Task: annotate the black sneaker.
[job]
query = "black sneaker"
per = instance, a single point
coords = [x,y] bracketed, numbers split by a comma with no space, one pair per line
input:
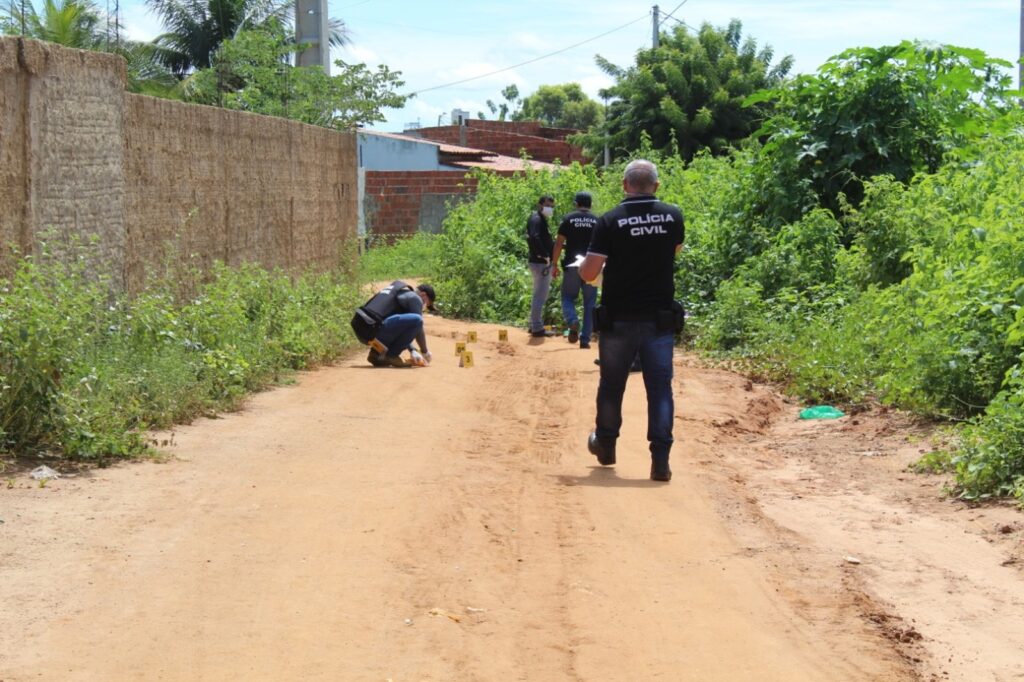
[375,358]
[660,470]
[574,332]
[602,448]
[584,344]
[541,334]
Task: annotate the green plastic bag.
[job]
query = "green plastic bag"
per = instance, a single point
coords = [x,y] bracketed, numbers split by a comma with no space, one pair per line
[821,412]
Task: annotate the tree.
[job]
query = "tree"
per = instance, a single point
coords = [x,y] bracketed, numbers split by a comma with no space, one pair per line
[196,28]
[78,24]
[72,23]
[894,110]
[561,106]
[687,94]
[510,106]
[250,73]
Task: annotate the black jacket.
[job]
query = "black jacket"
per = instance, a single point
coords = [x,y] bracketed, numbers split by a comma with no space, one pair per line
[538,238]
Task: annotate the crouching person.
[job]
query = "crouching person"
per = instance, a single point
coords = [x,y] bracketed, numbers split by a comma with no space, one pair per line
[390,322]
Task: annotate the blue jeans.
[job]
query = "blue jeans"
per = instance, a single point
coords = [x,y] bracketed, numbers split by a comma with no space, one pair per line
[541,286]
[571,285]
[617,349]
[398,331]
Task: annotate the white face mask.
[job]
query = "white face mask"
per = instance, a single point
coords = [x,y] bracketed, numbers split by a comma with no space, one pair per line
[548,211]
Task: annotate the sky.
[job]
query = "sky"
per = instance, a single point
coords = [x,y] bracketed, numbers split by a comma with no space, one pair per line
[434,44]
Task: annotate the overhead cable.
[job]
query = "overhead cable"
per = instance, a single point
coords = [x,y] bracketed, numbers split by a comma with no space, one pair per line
[529,61]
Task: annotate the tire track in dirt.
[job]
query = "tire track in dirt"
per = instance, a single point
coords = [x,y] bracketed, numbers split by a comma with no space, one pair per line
[448,524]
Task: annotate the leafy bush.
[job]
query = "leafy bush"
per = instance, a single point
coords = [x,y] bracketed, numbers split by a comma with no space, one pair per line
[84,371]
[414,256]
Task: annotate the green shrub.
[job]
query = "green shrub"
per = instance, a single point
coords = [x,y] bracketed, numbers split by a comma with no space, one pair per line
[83,372]
[414,256]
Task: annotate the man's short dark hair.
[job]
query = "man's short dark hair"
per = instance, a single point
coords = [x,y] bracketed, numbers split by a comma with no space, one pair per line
[429,291]
[583,199]
[545,197]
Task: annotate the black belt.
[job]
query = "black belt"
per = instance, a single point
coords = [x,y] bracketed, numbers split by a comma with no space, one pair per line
[633,316]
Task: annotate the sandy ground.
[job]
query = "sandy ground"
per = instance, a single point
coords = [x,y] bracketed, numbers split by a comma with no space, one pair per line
[447,523]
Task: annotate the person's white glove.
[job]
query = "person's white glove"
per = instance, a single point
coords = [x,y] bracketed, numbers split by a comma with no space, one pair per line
[418,359]
[428,356]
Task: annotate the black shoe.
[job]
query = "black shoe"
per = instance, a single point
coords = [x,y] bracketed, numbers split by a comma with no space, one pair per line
[375,358]
[541,334]
[602,448]
[574,332]
[584,344]
[659,468]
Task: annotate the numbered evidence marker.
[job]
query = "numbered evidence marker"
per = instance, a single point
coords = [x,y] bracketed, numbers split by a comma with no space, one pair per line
[466,359]
[460,347]
[502,335]
[471,337]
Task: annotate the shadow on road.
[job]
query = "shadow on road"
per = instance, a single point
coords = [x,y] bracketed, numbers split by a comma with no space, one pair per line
[605,477]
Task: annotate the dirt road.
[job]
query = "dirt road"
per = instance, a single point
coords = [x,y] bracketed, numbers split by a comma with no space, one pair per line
[448,524]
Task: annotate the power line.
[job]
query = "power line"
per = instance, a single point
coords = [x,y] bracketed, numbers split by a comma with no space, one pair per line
[669,15]
[529,61]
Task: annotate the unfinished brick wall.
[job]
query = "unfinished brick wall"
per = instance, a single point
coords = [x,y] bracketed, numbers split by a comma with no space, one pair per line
[80,157]
[498,137]
[406,202]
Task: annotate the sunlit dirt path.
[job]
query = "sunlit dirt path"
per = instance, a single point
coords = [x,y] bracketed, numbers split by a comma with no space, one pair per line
[447,523]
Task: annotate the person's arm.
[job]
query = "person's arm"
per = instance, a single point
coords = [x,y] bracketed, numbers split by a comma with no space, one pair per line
[421,341]
[591,266]
[559,242]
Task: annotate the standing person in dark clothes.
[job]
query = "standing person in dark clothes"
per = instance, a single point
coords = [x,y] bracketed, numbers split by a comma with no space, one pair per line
[574,233]
[538,239]
[636,243]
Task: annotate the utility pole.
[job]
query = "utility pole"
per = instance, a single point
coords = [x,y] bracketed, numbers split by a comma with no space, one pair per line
[654,27]
[312,29]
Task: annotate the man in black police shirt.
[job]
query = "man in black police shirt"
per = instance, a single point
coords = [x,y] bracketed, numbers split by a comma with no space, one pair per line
[574,233]
[636,242]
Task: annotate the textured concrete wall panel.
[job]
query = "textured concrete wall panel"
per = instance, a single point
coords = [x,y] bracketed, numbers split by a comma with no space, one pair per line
[75,111]
[233,187]
[13,153]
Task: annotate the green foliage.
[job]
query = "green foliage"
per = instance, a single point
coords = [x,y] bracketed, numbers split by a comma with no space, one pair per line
[83,371]
[482,269]
[561,106]
[79,24]
[991,459]
[509,108]
[250,73]
[196,28]
[415,256]
[687,94]
[894,110]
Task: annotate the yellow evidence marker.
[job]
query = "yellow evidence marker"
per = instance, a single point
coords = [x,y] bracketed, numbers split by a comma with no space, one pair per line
[460,347]
[466,359]
[502,335]
[471,337]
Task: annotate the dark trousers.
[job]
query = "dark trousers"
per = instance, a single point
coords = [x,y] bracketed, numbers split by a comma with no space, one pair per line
[617,349]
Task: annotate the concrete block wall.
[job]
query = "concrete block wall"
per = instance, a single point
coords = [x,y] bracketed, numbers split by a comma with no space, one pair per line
[81,157]
[405,202]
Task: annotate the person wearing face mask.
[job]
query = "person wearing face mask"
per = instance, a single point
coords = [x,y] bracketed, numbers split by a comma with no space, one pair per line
[538,239]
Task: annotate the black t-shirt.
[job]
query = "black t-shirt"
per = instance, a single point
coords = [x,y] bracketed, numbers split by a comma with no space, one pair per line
[577,228]
[639,238]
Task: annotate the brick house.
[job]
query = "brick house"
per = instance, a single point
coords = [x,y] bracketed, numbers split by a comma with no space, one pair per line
[406,184]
